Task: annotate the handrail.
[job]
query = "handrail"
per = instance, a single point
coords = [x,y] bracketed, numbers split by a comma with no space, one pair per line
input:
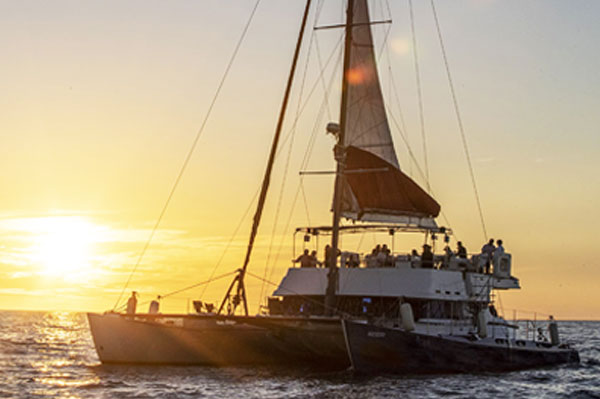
[359,228]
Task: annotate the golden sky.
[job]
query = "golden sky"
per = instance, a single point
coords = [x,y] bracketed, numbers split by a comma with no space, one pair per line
[102,100]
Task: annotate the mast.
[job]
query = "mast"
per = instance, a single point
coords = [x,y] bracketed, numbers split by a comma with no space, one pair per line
[339,153]
[239,278]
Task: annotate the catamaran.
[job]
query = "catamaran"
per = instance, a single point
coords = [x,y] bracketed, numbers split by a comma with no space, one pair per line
[388,311]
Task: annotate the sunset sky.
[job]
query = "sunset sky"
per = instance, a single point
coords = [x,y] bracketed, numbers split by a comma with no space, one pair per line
[101,100]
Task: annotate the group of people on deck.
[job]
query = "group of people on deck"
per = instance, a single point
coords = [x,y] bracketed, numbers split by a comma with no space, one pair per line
[489,251]
[426,259]
[308,259]
[383,257]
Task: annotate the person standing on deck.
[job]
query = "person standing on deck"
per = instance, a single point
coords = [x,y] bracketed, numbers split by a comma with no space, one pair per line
[461,251]
[314,262]
[427,257]
[498,252]
[415,258]
[304,259]
[488,251]
[499,249]
[132,303]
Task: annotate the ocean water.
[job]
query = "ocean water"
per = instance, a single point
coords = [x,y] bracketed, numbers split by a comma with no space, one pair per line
[52,355]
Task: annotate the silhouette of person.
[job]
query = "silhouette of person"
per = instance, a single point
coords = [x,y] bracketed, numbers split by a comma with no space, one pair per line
[304,259]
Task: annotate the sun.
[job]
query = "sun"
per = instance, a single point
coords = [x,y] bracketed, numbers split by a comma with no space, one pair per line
[63,245]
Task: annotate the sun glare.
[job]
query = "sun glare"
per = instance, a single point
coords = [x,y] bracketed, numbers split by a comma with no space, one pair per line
[63,245]
[401,46]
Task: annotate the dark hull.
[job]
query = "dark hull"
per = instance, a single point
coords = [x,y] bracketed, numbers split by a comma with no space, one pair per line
[310,341]
[382,350]
[218,340]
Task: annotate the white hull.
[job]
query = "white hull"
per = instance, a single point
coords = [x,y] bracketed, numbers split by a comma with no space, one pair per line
[120,339]
[217,340]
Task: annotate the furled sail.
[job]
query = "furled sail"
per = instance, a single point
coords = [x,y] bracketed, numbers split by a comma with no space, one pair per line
[376,189]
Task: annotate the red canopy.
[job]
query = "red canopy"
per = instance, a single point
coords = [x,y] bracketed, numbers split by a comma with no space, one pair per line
[384,192]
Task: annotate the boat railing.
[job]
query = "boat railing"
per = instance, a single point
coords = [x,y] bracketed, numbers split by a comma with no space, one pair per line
[531,325]
[475,263]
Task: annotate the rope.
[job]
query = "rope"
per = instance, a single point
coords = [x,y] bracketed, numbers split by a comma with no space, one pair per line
[191,151]
[230,241]
[322,80]
[459,119]
[305,201]
[206,282]
[306,158]
[414,159]
[312,90]
[401,127]
[183,289]
[299,112]
[419,93]
[308,150]
[408,148]
[287,162]
[320,62]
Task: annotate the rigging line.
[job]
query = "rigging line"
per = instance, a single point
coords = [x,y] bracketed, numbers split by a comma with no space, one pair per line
[299,111]
[314,86]
[419,91]
[241,290]
[287,162]
[397,98]
[367,108]
[401,128]
[299,188]
[459,119]
[320,63]
[384,42]
[309,96]
[388,8]
[530,312]
[193,147]
[305,201]
[184,289]
[408,147]
[325,94]
[360,241]
[235,232]
[306,158]
[414,159]
[205,283]
[309,149]
[280,246]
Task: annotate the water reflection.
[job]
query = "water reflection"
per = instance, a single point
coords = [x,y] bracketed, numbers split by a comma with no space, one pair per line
[46,354]
[52,355]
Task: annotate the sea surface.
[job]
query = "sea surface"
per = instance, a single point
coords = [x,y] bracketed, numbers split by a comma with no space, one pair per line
[49,355]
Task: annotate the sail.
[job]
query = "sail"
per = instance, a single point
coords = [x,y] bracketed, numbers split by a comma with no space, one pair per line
[376,189]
